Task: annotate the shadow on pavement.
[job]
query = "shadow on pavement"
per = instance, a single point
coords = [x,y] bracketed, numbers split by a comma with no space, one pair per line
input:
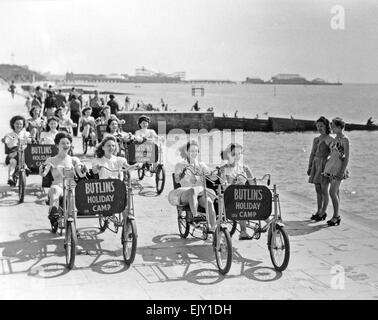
[303,227]
[171,258]
[28,254]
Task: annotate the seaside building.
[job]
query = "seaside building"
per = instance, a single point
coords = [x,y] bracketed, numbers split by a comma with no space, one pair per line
[254,80]
[283,78]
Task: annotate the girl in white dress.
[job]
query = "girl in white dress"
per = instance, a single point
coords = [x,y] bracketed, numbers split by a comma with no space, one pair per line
[52,127]
[191,191]
[144,133]
[105,158]
[230,172]
[17,123]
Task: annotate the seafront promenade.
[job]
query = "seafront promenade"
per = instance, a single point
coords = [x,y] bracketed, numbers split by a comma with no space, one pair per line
[325,263]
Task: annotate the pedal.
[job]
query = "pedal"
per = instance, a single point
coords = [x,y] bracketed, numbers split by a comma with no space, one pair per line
[257,235]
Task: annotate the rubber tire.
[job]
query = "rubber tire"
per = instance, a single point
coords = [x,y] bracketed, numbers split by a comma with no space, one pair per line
[183,225]
[223,269]
[141,173]
[21,186]
[70,246]
[160,169]
[129,225]
[285,237]
[103,223]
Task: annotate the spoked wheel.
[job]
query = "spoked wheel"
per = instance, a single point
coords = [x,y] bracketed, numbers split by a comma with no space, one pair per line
[141,173]
[70,244]
[21,186]
[231,226]
[223,250]
[103,223]
[183,224]
[160,178]
[279,248]
[129,241]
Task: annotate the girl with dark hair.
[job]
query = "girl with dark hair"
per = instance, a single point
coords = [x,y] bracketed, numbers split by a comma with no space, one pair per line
[36,123]
[230,171]
[336,167]
[105,116]
[52,127]
[65,124]
[63,141]
[318,158]
[114,130]
[191,191]
[17,123]
[87,125]
[144,133]
[105,158]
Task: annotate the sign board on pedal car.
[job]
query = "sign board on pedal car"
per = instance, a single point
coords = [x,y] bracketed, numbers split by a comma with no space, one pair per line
[105,197]
[247,202]
[36,154]
[101,129]
[144,152]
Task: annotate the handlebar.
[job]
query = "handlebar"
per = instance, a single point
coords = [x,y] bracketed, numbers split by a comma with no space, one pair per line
[264,177]
[133,166]
[213,173]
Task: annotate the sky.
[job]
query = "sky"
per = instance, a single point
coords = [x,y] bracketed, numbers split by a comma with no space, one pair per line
[208,39]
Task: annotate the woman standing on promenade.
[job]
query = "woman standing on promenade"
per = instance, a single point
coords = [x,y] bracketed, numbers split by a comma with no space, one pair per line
[191,191]
[336,167]
[318,158]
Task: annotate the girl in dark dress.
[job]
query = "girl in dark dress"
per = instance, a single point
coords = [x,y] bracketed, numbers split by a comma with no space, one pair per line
[318,158]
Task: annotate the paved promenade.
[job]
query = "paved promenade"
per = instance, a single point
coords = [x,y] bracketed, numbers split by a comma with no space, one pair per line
[326,262]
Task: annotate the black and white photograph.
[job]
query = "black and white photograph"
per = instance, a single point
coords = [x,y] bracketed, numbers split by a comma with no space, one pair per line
[188,150]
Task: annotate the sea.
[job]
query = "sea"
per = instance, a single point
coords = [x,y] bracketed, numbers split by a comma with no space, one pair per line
[285,155]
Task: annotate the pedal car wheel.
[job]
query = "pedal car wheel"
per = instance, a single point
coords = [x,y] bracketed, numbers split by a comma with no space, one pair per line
[160,179]
[223,250]
[129,241]
[279,248]
[21,186]
[70,244]
[183,224]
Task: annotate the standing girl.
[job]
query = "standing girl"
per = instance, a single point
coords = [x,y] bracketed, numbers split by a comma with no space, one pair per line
[336,167]
[318,158]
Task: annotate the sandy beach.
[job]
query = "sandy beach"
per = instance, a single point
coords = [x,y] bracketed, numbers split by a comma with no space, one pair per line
[325,263]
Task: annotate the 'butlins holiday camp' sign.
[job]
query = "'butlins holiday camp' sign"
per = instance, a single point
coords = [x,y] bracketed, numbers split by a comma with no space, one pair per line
[105,197]
[247,202]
